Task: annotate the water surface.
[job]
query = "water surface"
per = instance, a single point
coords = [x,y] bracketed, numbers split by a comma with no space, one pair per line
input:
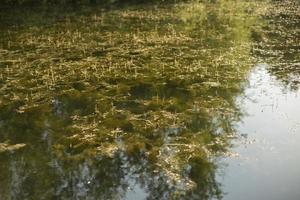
[176,101]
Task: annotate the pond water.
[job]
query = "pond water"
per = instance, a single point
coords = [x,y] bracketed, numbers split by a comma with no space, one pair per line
[193,100]
[266,163]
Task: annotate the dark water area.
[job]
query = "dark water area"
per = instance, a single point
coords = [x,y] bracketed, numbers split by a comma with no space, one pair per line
[193,100]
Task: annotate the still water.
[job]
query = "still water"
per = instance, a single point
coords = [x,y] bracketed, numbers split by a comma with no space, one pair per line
[195,100]
[267,159]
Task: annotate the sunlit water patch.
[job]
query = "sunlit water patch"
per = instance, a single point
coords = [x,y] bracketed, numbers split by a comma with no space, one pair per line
[267,159]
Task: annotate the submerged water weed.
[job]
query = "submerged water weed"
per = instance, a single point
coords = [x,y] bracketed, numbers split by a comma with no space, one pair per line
[278,42]
[132,91]
[4,147]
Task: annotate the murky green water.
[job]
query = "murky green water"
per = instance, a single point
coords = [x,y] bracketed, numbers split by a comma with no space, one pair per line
[176,101]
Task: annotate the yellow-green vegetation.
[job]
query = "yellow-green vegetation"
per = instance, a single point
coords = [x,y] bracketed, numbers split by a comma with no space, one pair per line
[100,94]
[77,2]
[278,42]
[4,147]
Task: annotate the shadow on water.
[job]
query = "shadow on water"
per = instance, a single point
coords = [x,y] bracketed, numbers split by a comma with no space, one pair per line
[109,104]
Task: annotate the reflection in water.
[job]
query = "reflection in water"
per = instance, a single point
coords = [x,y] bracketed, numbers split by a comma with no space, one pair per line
[268,164]
[121,103]
[268,155]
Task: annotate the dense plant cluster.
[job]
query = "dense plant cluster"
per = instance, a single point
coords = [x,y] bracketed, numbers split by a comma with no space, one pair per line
[75,2]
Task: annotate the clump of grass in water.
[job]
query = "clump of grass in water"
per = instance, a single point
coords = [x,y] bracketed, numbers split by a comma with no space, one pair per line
[5,147]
